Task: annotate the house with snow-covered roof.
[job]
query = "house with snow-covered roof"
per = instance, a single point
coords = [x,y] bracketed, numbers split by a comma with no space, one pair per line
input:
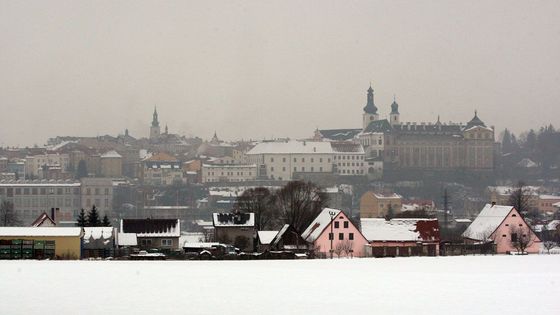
[401,237]
[333,232]
[237,229]
[501,226]
[99,241]
[162,234]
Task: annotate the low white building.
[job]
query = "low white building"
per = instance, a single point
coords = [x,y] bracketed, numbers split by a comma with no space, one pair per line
[280,160]
[212,173]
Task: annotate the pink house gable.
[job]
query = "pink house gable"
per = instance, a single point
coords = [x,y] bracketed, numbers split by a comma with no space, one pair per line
[344,232]
[496,223]
[502,235]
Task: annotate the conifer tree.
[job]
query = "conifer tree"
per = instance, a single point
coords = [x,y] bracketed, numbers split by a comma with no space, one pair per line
[93,217]
[82,220]
[105,221]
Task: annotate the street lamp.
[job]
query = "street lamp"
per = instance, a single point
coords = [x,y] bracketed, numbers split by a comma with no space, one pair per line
[333,215]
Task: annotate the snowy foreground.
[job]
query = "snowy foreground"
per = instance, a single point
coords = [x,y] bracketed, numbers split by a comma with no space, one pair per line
[419,285]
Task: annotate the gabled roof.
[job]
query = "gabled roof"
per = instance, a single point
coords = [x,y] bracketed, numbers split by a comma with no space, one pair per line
[41,220]
[339,134]
[487,221]
[266,237]
[152,227]
[318,225]
[378,126]
[412,230]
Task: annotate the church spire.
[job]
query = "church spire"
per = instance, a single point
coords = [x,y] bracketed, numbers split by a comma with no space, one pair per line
[155,122]
[370,105]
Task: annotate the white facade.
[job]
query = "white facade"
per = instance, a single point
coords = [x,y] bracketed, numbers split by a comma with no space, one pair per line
[228,173]
[98,192]
[33,164]
[349,158]
[281,160]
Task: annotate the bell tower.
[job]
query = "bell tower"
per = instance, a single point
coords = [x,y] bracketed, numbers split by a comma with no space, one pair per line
[370,111]
[154,129]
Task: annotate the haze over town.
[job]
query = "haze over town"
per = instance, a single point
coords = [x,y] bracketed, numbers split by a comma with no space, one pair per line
[264,69]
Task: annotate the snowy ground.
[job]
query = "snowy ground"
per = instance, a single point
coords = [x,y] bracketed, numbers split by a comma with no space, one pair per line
[422,285]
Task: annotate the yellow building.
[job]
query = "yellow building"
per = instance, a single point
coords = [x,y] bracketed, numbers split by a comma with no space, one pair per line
[67,240]
[376,205]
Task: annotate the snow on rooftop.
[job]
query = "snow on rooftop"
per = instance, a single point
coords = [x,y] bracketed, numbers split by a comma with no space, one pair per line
[266,237]
[40,231]
[487,222]
[394,230]
[111,154]
[292,147]
[127,239]
[549,197]
[98,232]
[318,225]
[233,220]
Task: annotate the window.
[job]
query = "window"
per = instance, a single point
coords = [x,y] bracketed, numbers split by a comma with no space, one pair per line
[336,224]
[514,237]
[345,224]
[341,236]
[331,236]
[311,160]
[514,215]
[351,236]
[284,159]
[271,160]
[520,224]
[167,242]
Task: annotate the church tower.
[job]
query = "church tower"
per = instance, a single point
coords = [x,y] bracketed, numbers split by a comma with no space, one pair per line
[394,116]
[154,129]
[370,111]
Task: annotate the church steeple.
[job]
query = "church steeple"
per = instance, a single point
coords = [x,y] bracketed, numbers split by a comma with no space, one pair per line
[370,105]
[394,115]
[154,129]
[155,122]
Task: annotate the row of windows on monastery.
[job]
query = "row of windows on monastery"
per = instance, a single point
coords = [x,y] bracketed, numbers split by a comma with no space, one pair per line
[231,174]
[302,160]
[348,157]
[39,191]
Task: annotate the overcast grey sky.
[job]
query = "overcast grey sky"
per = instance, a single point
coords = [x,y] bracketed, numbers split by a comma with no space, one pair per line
[271,69]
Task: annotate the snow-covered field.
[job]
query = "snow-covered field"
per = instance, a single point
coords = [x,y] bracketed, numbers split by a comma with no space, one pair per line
[422,285]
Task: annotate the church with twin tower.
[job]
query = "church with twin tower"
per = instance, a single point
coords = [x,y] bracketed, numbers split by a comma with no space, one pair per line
[419,145]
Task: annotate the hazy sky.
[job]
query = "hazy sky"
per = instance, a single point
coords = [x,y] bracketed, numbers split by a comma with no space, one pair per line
[271,69]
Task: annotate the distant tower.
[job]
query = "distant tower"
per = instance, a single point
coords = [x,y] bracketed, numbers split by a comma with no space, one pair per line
[166,130]
[370,111]
[394,116]
[154,129]
[215,139]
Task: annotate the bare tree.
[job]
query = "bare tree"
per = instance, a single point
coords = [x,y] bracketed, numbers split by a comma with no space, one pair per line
[347,247]
[520,198]
[339,249]
[522,238]
[8,216]
[549,238]
[259,201]
[299,202]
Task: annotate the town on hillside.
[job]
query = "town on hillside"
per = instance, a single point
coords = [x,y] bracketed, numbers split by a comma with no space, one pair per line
[385,188]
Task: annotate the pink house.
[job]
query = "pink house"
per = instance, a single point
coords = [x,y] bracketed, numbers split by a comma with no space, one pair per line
[504,226]
[346,239]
